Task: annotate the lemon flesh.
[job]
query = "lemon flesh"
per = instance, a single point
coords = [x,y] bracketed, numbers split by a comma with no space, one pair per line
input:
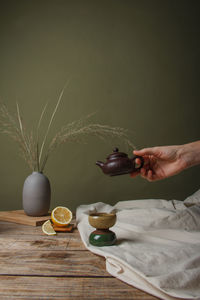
[61,216]
[47,228]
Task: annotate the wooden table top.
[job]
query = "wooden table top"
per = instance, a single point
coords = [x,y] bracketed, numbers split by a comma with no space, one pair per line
[36,266]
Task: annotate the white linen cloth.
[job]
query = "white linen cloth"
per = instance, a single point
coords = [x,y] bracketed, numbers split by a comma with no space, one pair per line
[158,244]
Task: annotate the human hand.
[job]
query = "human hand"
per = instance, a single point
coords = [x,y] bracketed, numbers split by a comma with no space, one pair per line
[161,162]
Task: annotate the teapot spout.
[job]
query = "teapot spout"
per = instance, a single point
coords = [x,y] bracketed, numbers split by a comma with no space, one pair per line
[100,164]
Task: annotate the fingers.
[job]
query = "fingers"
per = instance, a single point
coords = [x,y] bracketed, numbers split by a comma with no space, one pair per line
[143,172]
[148,175]
[138,162]
[138,171]
[134,174]
[150,155]
[146,151]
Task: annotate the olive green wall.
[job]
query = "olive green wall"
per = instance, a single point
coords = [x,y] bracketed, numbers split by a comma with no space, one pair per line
[134,63]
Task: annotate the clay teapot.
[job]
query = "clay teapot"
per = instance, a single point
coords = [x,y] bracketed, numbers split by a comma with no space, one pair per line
[118,163]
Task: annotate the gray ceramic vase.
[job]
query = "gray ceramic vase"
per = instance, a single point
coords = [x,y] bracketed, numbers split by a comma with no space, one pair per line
[36,195]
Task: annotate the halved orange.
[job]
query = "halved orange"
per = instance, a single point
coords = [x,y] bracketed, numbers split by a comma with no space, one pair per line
[61,216]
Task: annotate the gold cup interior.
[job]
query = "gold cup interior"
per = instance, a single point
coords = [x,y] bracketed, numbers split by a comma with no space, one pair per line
[102,220]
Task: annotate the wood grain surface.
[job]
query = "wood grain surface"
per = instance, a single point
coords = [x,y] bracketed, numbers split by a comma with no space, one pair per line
[19,217]
[36,266]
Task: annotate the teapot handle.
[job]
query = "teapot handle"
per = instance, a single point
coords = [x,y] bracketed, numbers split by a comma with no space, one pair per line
[141,161]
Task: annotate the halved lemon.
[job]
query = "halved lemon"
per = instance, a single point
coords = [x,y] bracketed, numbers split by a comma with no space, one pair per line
[47,228]
[61,216]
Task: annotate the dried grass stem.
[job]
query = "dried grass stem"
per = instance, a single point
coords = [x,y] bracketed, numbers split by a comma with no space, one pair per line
[77,131]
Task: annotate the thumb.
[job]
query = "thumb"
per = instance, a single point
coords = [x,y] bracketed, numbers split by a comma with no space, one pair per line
[147,151]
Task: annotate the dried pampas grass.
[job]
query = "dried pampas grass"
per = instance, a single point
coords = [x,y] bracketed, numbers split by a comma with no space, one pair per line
[32,149]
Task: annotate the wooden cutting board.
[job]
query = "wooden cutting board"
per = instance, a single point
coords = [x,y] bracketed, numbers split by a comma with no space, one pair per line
[19,217]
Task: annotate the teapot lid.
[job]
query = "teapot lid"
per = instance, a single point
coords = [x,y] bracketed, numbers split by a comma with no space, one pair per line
[116,154]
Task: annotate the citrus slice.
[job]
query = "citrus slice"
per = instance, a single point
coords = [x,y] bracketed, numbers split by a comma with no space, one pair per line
[47,228]
[61,216]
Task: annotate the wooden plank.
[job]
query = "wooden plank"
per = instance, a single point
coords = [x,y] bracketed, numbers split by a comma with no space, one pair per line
[51,263]
[7,228]
[19,287]
[36,266]
[62,241]
[19,217]
[17,236]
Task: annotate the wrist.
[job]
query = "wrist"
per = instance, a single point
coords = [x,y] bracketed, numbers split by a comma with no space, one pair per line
[190,154]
